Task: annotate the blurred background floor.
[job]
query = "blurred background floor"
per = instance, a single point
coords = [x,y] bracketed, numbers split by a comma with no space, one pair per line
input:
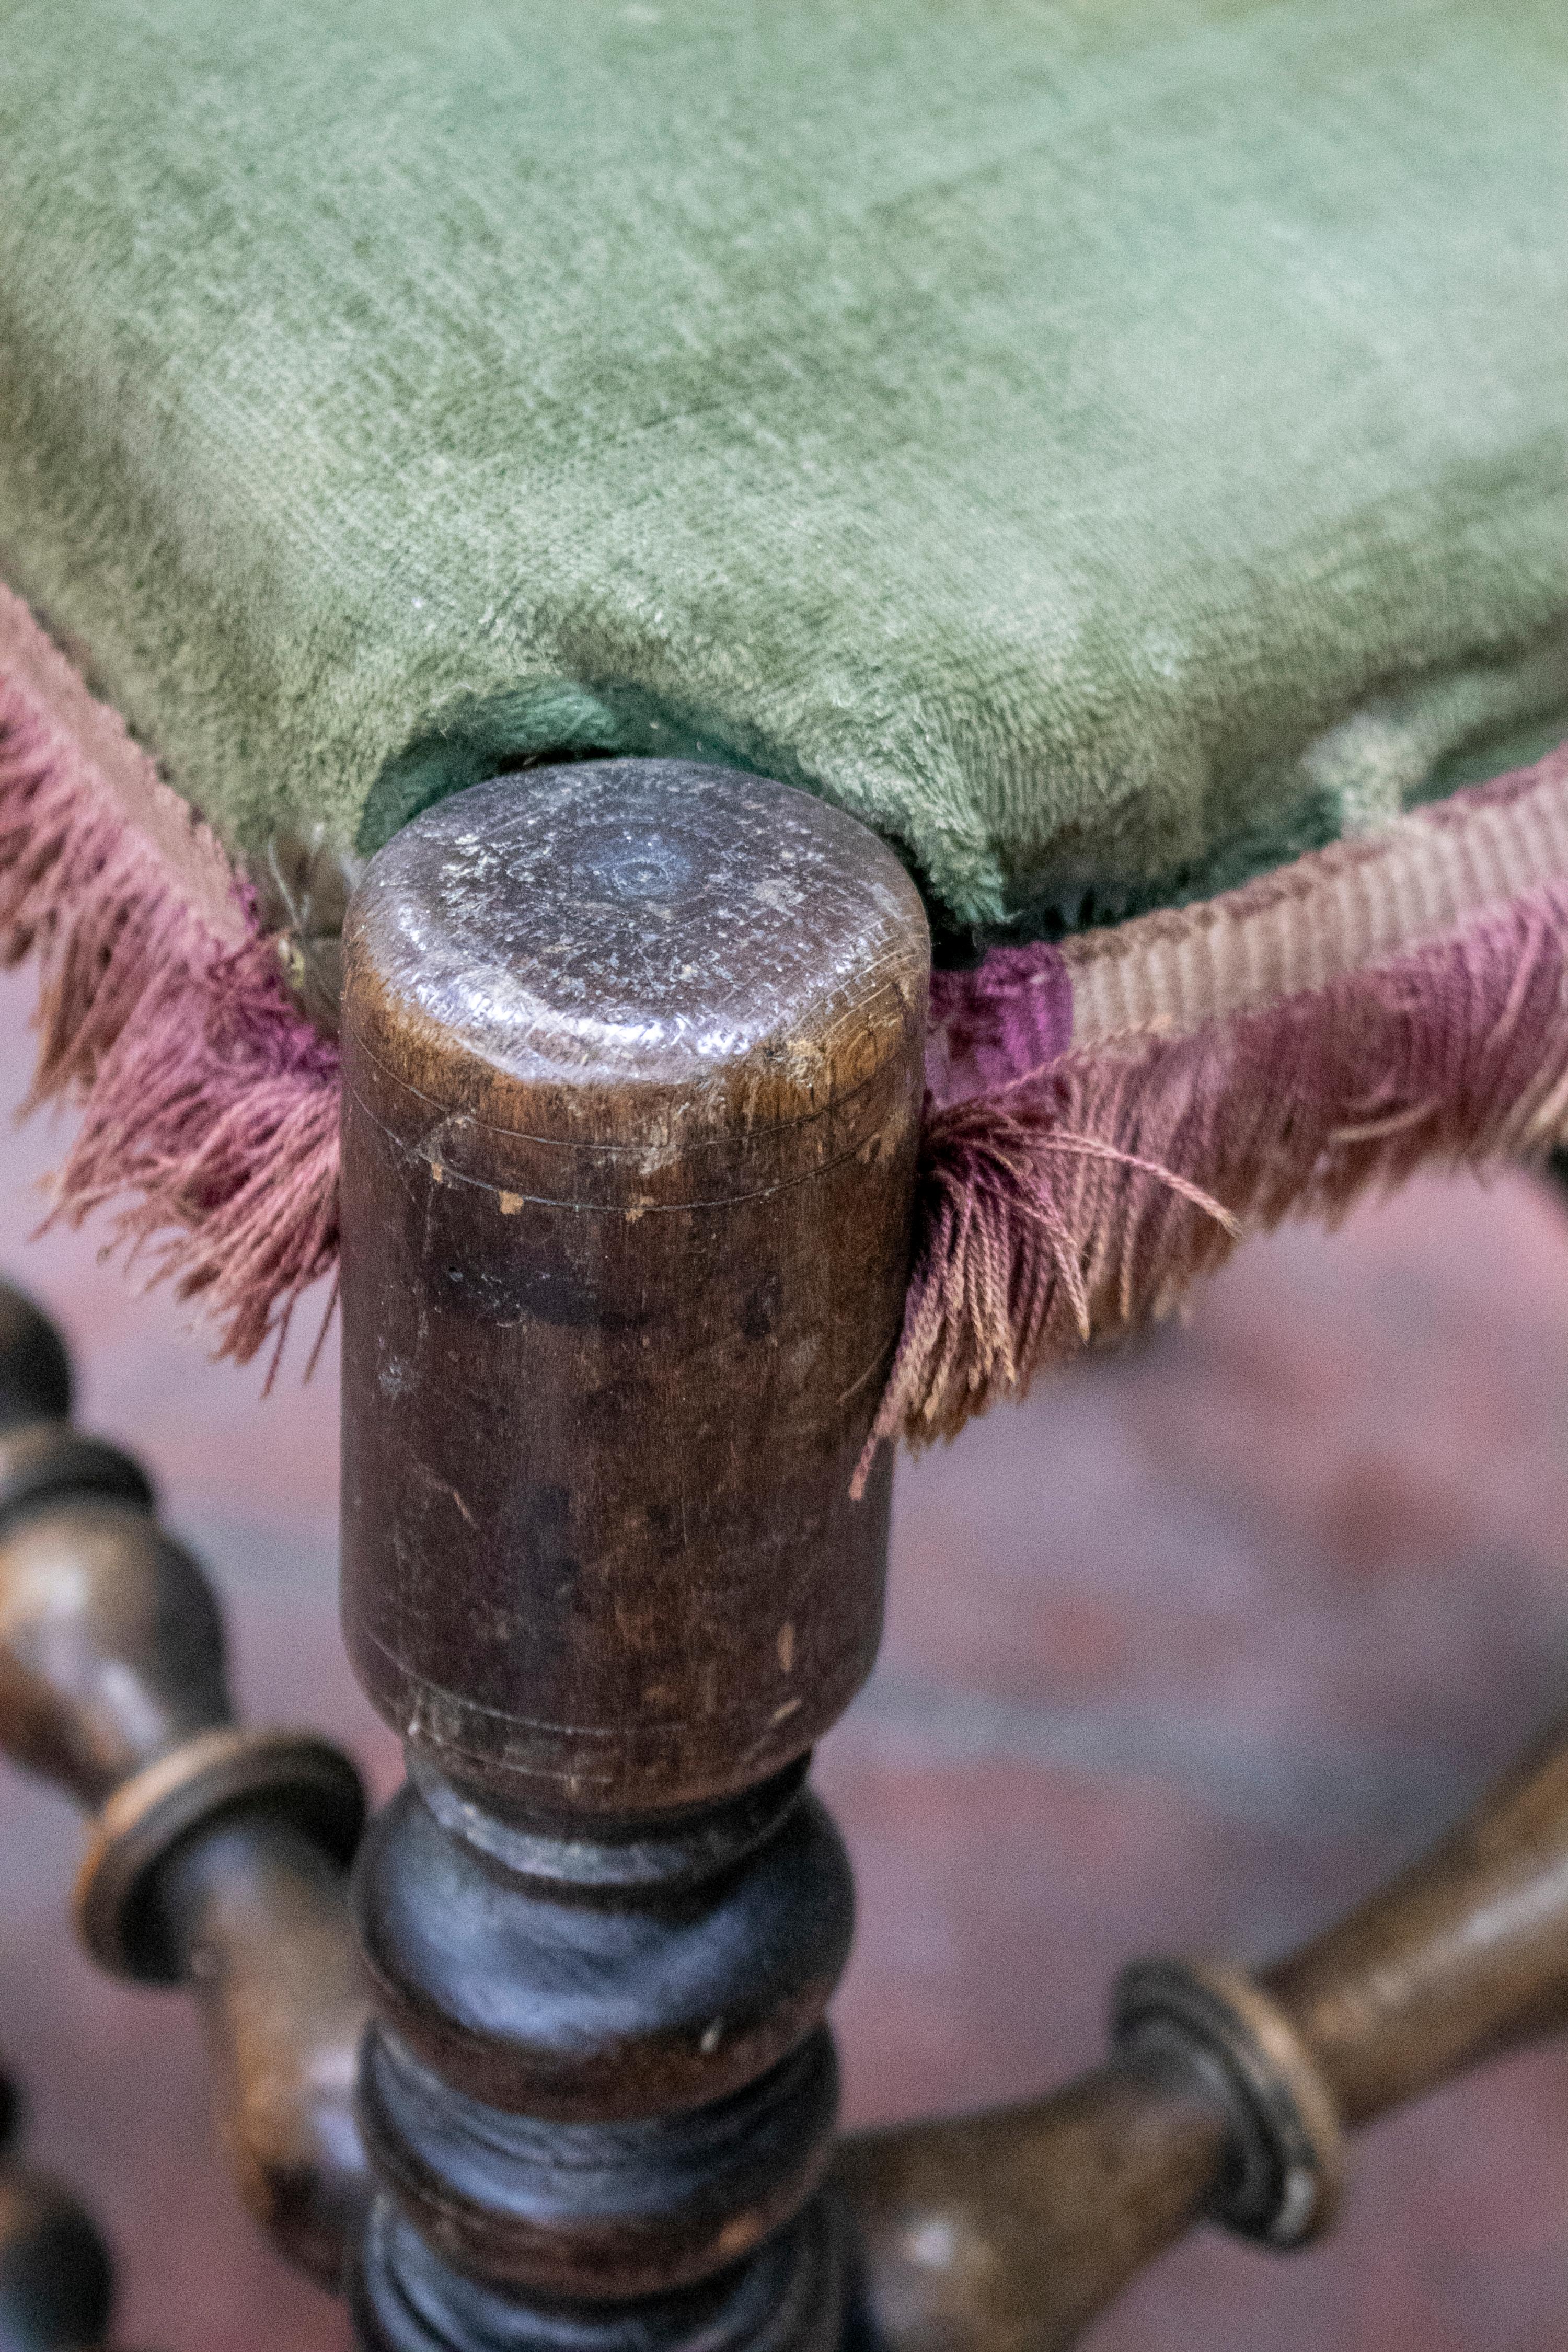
[1186,1652]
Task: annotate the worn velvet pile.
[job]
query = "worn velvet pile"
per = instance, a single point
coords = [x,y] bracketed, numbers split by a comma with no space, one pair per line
[1116,448]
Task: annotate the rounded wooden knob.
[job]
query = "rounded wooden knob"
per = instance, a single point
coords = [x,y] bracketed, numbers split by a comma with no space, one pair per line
[633,1059]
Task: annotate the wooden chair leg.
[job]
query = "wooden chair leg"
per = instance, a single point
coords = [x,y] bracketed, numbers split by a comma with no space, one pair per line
[216,1855]
[1229,2095]
[633,1080]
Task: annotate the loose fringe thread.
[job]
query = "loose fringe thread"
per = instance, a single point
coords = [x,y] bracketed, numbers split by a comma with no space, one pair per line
[206,1095]
[1067,1202]
[1051,1213]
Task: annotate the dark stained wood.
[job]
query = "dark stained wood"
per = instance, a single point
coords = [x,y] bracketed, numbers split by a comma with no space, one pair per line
[789,2297]
[216,1853]
[1008,2232]
[290,1778]
[601,2212]
[633,1060]
[591,2082]
[633,1082]
[643,2001]
[1285,2160]
[1383,2001]
[45,1461]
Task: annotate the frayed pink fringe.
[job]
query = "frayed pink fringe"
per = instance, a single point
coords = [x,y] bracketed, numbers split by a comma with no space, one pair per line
[207,1098]
[1067,1191]
[1052,1209]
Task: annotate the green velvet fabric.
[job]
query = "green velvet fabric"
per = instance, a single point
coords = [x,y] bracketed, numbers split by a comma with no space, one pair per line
[1102,444]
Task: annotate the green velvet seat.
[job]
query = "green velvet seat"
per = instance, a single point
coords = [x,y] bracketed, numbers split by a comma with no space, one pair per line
[1117,448]
[1108,445]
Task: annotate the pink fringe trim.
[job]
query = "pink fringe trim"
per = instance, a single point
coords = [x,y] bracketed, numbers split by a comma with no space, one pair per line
[1108,1117]
[1052,1209]
[208,1096]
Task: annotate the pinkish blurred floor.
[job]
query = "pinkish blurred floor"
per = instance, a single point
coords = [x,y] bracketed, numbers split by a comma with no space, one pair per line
[1186,1652]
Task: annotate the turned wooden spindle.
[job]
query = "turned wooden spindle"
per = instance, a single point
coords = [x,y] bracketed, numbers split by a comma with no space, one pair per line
[1229,2095]
[633,1083]
[216,1853]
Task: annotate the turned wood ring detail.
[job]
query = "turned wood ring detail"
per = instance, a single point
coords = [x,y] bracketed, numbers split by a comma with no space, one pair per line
[789,2297]
[1287,2168]
[302,1778]
[682,1848]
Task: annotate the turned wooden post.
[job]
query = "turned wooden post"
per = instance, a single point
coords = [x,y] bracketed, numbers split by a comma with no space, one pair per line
[216,1853]
[1229,2095]
[633,1062]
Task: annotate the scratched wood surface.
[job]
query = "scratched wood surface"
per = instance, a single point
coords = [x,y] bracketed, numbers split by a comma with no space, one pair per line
[1187,1652]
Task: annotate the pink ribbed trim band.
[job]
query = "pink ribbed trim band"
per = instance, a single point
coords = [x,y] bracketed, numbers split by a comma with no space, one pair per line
[1109,1116]
[210,1104]
[1106,1117]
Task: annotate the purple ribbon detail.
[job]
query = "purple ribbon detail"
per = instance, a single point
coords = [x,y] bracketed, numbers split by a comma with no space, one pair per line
[1005,1019]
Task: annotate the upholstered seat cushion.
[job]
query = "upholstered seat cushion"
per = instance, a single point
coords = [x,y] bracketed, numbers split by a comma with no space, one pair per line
[1108,445]
[1118,448]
